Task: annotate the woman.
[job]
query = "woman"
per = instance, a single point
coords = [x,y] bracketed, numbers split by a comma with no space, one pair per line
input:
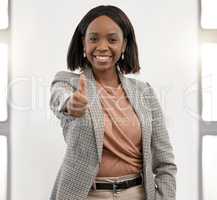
[117,143]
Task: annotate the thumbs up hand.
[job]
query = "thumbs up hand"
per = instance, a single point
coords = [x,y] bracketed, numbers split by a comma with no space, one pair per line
[77,103]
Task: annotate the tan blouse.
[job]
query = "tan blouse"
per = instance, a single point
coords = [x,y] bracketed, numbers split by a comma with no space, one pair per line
[122,146]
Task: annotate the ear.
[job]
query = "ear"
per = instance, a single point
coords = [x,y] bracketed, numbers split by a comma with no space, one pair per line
[124,45]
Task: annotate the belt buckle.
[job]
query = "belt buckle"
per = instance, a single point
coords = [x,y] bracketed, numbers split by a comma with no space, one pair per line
[114,187]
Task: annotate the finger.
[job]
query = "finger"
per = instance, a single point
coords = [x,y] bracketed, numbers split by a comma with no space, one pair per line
[78,105]
[78,108]
[80,98]
[77,113]
[82,84]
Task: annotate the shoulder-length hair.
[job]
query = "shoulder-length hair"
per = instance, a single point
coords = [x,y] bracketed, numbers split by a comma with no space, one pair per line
[130,63]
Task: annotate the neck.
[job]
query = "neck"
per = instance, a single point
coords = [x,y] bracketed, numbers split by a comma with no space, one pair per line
[108,78]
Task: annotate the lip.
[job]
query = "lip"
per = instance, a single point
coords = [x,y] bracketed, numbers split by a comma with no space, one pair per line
[103,55]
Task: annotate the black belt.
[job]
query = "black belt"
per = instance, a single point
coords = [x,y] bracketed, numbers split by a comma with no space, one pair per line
[118,185]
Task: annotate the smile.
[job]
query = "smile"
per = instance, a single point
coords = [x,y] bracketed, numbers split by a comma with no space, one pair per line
[103,58]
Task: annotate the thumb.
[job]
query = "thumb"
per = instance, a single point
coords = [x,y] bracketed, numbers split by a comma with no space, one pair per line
[82,84]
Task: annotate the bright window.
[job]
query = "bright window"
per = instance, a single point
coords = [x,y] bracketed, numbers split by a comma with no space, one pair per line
[3,14]
[4,38]
[209,14]
[3,167]
[209,81]
[4,81]
[209,167]
[208,126]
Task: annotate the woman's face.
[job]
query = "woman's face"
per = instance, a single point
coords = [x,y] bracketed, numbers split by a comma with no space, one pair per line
[103,43]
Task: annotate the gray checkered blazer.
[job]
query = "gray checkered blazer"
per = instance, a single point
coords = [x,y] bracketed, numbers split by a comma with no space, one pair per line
[84,139]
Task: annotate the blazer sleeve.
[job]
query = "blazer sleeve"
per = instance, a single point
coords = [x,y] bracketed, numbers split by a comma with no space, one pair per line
[60,92]
[163,165]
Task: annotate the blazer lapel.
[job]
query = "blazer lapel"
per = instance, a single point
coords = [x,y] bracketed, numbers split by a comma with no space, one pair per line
[136,99]
[95,109]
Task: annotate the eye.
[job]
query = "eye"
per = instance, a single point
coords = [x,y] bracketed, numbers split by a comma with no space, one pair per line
[113,40]
[93,39]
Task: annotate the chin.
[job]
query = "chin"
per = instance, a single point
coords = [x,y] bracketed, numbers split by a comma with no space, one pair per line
[102,67]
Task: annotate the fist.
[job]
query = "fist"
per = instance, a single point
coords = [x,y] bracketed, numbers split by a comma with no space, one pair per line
[77,103]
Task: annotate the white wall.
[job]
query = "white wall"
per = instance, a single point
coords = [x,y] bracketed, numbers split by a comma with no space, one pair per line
[166,32]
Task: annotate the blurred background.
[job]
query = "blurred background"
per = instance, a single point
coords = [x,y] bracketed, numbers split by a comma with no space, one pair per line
[177,43]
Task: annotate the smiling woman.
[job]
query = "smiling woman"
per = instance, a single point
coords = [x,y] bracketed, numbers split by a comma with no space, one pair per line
[117,142]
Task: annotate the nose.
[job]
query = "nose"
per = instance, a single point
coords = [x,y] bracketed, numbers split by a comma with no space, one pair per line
[103,45]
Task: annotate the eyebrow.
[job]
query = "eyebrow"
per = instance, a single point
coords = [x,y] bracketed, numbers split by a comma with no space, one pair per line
[110,34]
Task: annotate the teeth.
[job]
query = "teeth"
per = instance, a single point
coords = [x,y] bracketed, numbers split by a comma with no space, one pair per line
[103,58]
